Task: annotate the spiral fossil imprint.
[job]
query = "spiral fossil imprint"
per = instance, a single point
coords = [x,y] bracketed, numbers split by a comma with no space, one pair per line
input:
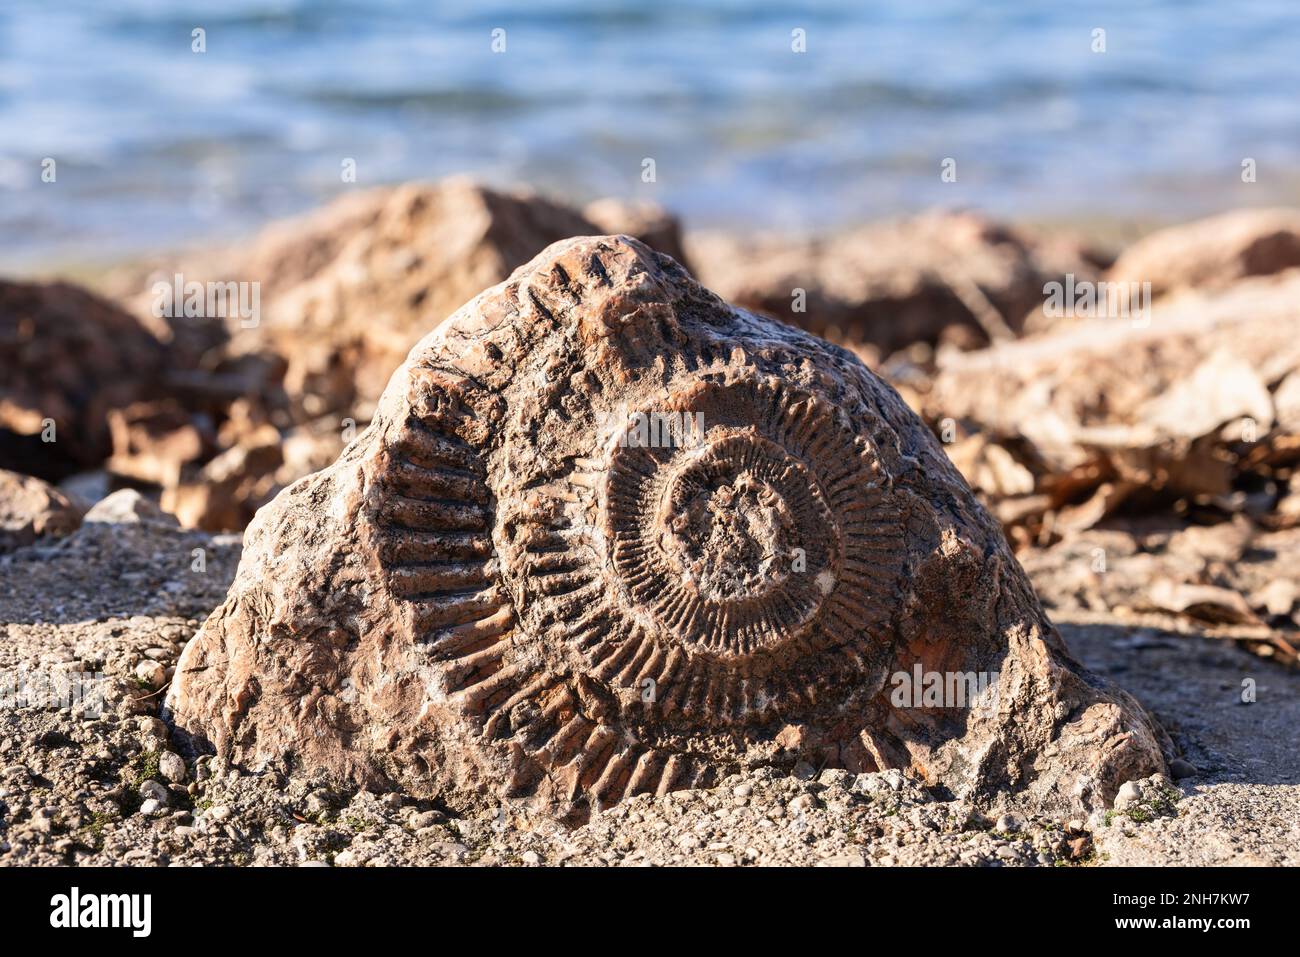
[608,535]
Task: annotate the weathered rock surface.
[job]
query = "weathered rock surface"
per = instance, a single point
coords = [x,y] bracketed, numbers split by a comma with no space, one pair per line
[1193,407]
[506,587]
[31,509]
[67,358]
[1213,252]
[953,276]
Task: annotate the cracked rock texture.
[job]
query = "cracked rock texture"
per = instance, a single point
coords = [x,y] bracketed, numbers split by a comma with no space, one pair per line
[607,535]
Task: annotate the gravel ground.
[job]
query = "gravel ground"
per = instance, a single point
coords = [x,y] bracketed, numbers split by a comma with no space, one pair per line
[120,598]
[1241,799]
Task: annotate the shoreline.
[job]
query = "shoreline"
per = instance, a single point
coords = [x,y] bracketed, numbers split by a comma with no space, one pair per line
[1106,232]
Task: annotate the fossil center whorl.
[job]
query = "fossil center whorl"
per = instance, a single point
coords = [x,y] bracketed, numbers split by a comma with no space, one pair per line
[728,546]
[725,523]
[745,526]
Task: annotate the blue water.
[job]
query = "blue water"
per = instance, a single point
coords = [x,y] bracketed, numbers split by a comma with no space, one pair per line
[156,145]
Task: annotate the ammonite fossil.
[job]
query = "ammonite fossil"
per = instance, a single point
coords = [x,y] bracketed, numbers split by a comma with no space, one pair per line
[608,535]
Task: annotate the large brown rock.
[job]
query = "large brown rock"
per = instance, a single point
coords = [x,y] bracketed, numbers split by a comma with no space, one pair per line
[67,358]
[1213,253]
[345,330]
[32,509]
[941,275]
[607,534]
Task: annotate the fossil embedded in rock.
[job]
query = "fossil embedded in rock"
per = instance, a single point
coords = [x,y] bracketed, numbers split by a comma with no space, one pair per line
[510,586]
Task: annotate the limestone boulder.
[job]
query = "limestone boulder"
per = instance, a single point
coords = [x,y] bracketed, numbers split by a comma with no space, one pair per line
[607,535]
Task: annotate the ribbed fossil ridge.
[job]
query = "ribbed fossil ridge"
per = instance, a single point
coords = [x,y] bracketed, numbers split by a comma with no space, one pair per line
[608,535]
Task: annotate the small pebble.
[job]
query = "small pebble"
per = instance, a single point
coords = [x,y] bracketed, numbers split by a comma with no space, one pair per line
[151,673]
[835,776]
[172,767]
[1130,793]
[1009,823]
[422,819]
[804,802]
[151,725]
[153,790]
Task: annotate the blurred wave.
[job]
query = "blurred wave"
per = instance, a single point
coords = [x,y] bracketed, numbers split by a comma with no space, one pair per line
[157,145]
